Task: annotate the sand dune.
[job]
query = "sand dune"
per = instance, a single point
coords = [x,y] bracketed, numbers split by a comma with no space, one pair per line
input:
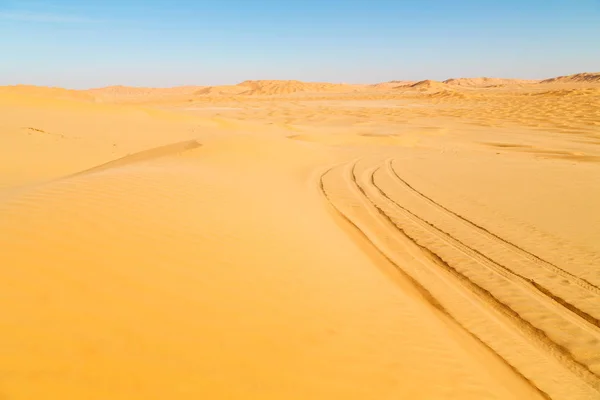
[52,92]
[141,91]
[488,82]
[391,84]
[219,90]
[426,86]
[127,94]
[290,240]
[275,87]
[584,77]
[267,87]
[589,92]
[450,93]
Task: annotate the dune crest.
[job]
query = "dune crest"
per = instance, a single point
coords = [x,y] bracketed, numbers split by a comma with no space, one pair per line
[428,85]
[50,92]
[391,85]
[487,82]
[273,87]
[222,90]
[141,91]
[584,77]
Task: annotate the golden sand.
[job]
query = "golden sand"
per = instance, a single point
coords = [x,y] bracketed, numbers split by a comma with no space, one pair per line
[283,240]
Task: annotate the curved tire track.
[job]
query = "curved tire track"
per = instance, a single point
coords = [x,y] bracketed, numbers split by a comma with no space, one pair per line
[584,284]
[527,331]
[540,293]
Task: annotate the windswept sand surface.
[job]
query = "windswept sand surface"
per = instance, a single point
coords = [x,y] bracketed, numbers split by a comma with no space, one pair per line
[277,240]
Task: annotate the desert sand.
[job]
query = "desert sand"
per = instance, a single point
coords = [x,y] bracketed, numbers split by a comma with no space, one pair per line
[291,240]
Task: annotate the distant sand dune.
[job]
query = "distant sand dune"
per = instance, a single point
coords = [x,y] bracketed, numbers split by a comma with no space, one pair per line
[52,92]
[281,87]
[570,92]
[286,87]
[141,91]
[450,94]
[585,77]
[221,90]
[426,86]
[488,82]
[391,84]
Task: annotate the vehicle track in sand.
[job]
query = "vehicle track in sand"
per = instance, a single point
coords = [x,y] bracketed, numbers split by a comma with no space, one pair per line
[521,252]
[546,337]
[553,311]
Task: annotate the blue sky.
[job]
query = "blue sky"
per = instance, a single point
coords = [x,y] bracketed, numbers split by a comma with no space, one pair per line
[80,44]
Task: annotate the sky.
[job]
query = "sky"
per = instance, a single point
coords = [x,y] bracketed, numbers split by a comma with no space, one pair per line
[159,43]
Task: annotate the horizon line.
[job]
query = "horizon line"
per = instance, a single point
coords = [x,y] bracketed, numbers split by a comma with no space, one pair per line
[292,80]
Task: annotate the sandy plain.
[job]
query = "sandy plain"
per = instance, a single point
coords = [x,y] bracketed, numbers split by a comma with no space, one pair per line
[285,240]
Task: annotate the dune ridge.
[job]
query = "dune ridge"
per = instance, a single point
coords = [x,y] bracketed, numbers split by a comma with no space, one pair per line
[391,84]
[144,155]
[584,77]
[123,94]
[267,87]
[488,82]
[52,92]
[428,85]
[120,90]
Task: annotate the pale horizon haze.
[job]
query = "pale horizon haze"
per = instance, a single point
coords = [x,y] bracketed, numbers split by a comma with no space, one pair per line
[160,43]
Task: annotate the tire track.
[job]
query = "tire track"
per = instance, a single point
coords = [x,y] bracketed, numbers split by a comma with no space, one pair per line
[571,296]
[567,310]
[507,244]
[460,283]
[564,326]
[420,288]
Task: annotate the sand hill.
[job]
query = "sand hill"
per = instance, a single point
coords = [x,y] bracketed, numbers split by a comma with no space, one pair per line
[222,90]
[585,77]
[140,94]
[426,86]
[445,94]
[50,92]
[391,84]
[591,92]
[142,91]
[487,82]
[274,87]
